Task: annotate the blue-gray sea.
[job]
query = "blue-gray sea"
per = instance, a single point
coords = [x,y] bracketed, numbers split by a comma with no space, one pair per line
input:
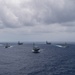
[52,60]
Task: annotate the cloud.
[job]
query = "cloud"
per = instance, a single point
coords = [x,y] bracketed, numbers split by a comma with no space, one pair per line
[58,11]
[35,16]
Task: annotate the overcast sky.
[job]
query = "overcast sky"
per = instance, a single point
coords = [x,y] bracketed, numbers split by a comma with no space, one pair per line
[37,20]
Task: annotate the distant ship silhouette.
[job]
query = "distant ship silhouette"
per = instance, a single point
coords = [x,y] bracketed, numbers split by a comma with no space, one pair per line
[49,43]
[36,49]
[20,43]
[7,45]
[65,45]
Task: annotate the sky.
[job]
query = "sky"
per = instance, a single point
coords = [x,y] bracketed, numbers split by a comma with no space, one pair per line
[37,20]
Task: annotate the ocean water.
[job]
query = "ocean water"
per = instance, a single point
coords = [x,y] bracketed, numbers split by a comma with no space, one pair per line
[52,60]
